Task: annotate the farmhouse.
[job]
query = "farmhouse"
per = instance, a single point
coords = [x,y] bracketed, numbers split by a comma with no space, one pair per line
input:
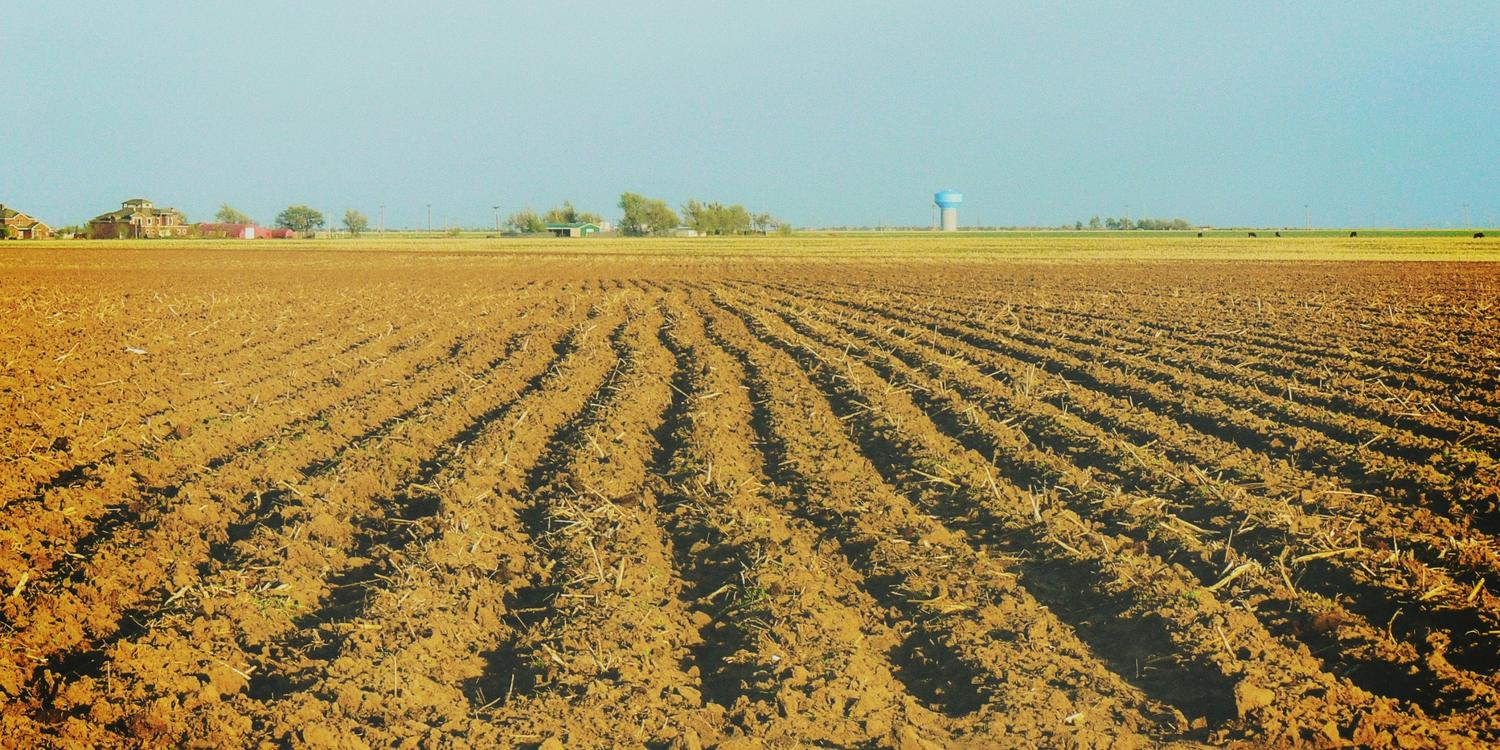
[14,224]
[138,218]
[574,229]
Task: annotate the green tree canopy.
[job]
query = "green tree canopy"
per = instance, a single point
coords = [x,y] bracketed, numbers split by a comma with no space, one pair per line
[716,218]
[299,219]
[526,221]
[355,222]
[230,215]
[564,214]
[644,215]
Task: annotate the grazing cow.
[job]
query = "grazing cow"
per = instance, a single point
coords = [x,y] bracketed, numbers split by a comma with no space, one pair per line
[1354,234]
[1278,234]
[1479,235]
[1200,234]
[1252,234]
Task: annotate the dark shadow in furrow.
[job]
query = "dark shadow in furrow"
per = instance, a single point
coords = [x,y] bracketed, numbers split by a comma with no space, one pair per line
[1292,621]
[1267,403]
[1472,646]
[707,571]
[1264,336]
[72,567]
[1260,344]
[1127,643]
[1270,380]
[135,621]
[929,669]
[1269,398]
[1353,473]
[385,536]
[322,466]
[75,475]
[509,669]
[70,477]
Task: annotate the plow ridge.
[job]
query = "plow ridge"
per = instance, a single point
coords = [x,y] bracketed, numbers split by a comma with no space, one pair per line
[493,500]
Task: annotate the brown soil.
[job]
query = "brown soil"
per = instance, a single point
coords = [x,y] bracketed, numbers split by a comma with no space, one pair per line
[329,499]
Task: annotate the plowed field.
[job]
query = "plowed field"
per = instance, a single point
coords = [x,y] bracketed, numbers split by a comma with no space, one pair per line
[257,498]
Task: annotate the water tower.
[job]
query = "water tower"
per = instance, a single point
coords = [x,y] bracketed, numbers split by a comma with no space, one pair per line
[947,201]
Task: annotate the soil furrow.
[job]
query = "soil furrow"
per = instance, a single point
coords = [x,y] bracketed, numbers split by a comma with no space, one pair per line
[104,596]
[1084,563]
[968,626]
[950,392]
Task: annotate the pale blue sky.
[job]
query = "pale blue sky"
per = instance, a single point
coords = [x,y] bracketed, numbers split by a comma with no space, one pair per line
[820,112]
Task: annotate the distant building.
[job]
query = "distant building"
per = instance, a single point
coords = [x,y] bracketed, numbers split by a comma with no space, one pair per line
[21,226]
[243,232]
[684,232]
[138,218]
[574,229]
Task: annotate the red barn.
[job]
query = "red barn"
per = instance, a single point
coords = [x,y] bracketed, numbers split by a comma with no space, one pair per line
[244,232]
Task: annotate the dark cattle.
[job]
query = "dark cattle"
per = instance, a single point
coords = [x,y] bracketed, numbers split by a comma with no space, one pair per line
[1252,234]
[1354,234]
[1479,235]
[1278,234]
[1200,234]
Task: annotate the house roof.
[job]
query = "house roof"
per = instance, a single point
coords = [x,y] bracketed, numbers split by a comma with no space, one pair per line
[7,213]
[132,207]
[573,225]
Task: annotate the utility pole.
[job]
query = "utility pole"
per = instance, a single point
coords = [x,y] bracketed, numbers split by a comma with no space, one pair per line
[497,219]
[382,218]
[1308,210]
[429,217]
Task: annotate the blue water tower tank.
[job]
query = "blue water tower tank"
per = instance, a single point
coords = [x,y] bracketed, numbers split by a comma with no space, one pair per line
[948,200]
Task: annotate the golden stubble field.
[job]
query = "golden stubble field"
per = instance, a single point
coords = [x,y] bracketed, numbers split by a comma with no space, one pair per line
[833,492]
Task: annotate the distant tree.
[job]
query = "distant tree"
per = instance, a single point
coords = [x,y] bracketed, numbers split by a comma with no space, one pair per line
[526,221]
[565,214]
[763,222]
[355,222]
[1094,223]
[299,219]
[784,229]
[1077,225]
[716,218]
[1111,223]
[591,218]
[230,215]
[644,215]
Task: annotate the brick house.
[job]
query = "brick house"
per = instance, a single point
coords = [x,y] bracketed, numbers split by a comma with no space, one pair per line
[21,226]
[137,217]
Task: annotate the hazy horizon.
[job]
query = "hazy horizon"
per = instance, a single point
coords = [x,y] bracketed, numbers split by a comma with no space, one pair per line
[820,113]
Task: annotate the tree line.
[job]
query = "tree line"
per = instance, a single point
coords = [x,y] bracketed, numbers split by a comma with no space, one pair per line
[1126,222]
[646,216]
[641,216]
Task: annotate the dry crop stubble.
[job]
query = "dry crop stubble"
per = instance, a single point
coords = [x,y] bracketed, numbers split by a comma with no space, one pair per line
[846,491]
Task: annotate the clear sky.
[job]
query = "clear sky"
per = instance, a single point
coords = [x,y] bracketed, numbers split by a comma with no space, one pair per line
[824,113]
